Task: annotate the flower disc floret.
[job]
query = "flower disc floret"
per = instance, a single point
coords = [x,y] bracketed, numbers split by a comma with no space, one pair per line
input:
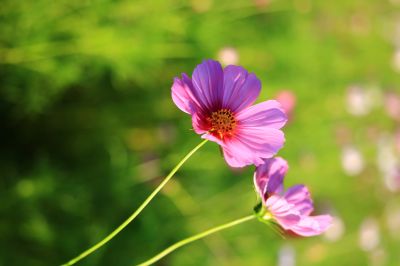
[222,122]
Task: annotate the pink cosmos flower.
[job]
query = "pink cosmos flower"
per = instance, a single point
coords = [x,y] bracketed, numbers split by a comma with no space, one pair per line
[220,103]
[288,101]
[290,209]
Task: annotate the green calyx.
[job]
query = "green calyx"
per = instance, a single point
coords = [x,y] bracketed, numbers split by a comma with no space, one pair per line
[264,216]
[262,213]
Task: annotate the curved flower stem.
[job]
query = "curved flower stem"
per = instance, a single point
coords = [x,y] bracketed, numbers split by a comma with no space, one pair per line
[136,213]
[194,238]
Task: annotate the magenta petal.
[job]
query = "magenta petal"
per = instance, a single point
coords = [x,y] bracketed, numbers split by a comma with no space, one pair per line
[241,89]
[278,205]
[181,93]
[287,220]
[282,211]
[268,177]
[268,114]
[305,207]
[290,219]
[250,146]
[264,143]
[297,193]
[212,138]
[300,197]
[238,154]
[208,78]
[198,123]
[312,225]
[277,172]
[232,160]
[257,131]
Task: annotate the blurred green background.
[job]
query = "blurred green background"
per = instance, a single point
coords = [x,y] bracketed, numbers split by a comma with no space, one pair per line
[88,128]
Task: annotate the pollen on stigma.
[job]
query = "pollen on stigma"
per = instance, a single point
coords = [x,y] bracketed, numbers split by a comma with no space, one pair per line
[223,123]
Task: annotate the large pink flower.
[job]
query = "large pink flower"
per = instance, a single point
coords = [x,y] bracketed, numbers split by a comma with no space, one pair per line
[291,209]
[220,103]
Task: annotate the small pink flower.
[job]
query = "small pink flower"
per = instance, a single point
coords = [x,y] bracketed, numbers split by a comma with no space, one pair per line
[392,104]
[291,209]
[288,101]
[220,103]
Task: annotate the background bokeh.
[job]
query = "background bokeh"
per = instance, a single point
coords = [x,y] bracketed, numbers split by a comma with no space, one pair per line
[88,128]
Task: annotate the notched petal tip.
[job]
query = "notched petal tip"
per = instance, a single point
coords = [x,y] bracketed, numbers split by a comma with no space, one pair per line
[208,84]
[312,225]
[241,88]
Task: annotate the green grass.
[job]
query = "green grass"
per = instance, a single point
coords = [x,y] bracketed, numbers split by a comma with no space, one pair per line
[89,128]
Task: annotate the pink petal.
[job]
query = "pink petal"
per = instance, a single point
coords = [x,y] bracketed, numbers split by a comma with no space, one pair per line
[297,193]
[181,93]
[208,78]
[241,89]
[312,225]
[287,220]
[282,211]
[305,207]
[251,145]
[199,123]
[268,114]
[238,154]
[212,138]
[268,177]
[300,197]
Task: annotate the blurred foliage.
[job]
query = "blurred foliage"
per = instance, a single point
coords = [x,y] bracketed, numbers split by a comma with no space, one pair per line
[88,127]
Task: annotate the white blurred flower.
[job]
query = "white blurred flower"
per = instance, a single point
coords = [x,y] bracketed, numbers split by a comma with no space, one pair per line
[369,235]
[392,180]
[287,256]
[386,157]
[336,230]
[228,56]
[393,220]
[396,60]
[360,101]
[388,163]
[397,140]
[352,161]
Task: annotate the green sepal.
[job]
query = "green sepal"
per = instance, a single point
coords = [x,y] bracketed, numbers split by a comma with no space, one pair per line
[266,218]
[259,210]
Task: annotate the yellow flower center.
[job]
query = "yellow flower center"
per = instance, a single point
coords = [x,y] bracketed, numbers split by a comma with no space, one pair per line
[222,123]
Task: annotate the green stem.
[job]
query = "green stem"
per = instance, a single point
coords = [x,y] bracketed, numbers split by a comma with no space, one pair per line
[136,213]
[194,238]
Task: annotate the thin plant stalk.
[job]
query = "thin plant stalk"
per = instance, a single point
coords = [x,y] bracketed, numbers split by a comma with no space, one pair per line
[137,212]
[194,238]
